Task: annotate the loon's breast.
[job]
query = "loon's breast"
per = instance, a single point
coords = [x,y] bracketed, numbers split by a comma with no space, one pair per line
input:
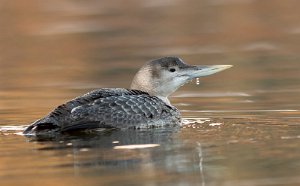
[109,107]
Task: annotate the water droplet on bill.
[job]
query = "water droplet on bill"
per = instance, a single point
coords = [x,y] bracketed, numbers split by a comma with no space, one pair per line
[197,81]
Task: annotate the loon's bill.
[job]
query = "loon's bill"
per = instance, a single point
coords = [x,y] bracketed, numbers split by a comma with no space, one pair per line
[144,105]
[209,70]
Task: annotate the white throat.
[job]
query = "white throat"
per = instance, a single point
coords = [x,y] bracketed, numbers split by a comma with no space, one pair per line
[144,81]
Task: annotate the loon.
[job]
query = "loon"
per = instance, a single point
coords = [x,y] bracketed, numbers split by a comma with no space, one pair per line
[144,105]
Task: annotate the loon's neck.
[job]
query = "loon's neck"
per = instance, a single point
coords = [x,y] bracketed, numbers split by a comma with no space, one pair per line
[145,80]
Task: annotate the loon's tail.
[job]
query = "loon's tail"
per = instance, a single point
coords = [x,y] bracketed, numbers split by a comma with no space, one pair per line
[41,127]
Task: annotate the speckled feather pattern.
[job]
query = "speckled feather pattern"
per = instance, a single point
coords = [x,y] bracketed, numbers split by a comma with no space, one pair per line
[109,107]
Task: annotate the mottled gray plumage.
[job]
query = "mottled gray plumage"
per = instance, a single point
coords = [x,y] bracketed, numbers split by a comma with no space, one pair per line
[144,105]
[108,108]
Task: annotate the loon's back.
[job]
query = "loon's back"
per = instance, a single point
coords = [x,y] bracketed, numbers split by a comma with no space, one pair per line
[108,108]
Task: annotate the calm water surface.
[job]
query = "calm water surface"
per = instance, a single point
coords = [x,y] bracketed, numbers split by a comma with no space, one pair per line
[242,126]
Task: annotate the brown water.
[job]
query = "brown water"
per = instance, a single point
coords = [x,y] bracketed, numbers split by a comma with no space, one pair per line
[242,125]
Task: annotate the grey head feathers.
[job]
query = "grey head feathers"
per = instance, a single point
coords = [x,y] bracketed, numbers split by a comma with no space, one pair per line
[158,77]
[161,77]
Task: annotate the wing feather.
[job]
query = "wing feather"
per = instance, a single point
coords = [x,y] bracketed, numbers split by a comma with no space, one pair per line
[61,114]
[123,111]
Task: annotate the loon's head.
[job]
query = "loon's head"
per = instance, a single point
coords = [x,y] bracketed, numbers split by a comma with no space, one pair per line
[161,77]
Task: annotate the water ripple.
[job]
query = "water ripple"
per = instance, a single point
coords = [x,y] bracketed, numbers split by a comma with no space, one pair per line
[241,111]
[213,94]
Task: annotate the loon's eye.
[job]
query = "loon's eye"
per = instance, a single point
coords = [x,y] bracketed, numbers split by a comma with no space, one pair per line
[172,69]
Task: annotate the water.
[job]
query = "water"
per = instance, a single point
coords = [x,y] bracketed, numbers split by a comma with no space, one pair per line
[242,126]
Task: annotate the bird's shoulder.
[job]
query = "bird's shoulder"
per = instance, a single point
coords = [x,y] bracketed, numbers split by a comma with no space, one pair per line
[93,97]
[121,111]
[128,103]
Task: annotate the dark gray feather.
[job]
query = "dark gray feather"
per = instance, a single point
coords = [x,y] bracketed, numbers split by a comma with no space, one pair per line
[108,107]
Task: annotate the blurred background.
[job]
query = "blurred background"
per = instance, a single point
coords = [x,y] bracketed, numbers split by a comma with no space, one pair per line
[50,48]
[53,51]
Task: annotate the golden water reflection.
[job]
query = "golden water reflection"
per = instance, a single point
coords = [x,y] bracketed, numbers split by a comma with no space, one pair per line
[52,51]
